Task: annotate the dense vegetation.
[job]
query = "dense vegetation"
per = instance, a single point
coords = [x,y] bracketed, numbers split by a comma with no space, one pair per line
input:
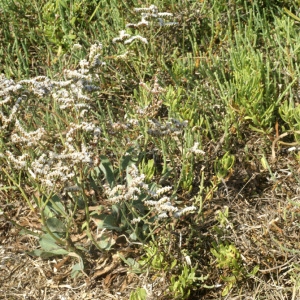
[159,137]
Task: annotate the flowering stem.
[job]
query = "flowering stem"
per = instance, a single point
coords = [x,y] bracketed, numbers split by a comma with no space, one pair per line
[87,217]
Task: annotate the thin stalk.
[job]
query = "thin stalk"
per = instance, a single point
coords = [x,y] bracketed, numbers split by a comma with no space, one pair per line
[87,213]
[20,189]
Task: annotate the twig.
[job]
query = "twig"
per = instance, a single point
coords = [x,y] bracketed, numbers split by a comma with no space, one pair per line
[277,267]
[277,139]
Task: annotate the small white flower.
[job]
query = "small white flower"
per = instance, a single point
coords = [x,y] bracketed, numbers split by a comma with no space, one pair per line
[122,35]
[136,220]
[73,188]
[165,14]
[163,190]
[163,200]
[168,207]
[183,211]
[76,47]
[83,63]
[171,23]
[162,215]
[150,203]
[195,150]
[136,37]
[188,260]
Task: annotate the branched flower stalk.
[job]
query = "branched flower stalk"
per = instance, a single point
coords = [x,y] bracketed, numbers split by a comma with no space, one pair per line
[58,154]
[158,205]
[50,158]
[149,16]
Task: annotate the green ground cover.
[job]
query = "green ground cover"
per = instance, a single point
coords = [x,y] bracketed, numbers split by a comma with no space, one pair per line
[149,133]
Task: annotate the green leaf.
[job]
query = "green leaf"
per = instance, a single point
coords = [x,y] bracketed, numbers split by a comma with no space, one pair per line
[255,128]
[126,161]
[133,236]
[56,225]
[107,168]
[58,203]
[106,241]
[63,3]
[132,263]
[48,244]
[174,263]
[54,207]
[71,36]
[254,271]
[228,278]
[96,9]
[139,294]
[227,289]
[77,268]
[291,14]
[106,221]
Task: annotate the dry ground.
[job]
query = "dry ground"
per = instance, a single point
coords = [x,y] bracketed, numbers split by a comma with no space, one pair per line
[263,224]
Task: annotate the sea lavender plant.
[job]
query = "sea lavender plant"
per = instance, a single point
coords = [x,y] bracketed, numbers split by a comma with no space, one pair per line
[54,154]
[58,156]
[54,166]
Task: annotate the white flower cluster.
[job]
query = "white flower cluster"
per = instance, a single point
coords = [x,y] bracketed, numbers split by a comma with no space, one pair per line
[172,127]
[123,35]
[131,191]
[40,86]
[19,162]
[125,55]
[85,127]
[146,13]
[136,37]
[163,206]
[51,164]
[156,90]
[7,120]
[69,93]
[152,12]
[155,200]
[53,169]
[195,150]
[8,86]
[28,139]
[76,47]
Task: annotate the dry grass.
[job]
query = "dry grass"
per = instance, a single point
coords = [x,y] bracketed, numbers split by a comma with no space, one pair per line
[262,223]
